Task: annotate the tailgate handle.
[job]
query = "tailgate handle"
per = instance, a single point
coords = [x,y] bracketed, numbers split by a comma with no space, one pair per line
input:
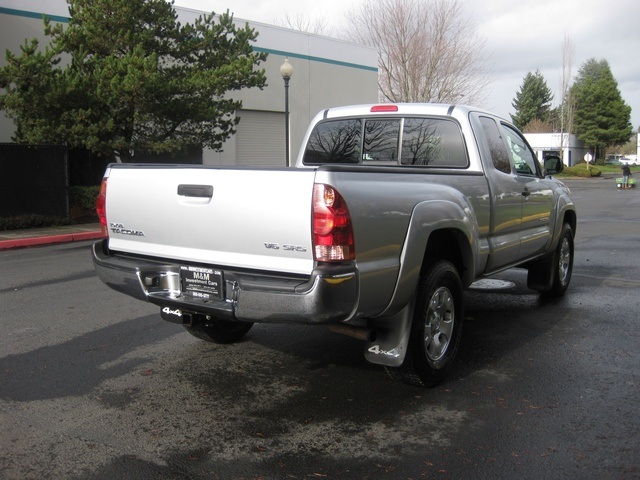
[200,191]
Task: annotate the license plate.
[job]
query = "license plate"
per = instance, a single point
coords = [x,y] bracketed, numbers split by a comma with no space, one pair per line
[201,282]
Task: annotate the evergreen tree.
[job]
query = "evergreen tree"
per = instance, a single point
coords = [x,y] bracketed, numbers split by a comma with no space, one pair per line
[602,118]
[533,101]
[126,76]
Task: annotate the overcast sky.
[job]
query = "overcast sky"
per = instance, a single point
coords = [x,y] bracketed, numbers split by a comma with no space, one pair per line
[521,36]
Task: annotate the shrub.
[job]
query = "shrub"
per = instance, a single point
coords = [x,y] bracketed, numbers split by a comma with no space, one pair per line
[31,221]
[580,170]
[82,202]
[84,197]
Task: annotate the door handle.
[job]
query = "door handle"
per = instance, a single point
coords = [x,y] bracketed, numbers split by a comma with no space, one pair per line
[199,191]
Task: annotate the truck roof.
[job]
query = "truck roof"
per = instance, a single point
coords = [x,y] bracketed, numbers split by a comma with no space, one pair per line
[385,109]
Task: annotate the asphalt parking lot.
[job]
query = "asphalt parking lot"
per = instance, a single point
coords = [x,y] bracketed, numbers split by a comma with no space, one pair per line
[95,385]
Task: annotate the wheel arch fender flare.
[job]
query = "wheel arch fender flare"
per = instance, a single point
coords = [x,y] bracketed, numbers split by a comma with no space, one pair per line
[444,229]
[565,212]
[431,222]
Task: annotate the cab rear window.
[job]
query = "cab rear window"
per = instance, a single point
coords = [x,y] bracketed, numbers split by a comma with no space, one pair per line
[412,141]
[336,141]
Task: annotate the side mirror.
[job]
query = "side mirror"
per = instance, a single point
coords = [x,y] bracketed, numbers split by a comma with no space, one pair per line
[553,165]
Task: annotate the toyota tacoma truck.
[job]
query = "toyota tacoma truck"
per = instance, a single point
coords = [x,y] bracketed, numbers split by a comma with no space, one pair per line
[390,213]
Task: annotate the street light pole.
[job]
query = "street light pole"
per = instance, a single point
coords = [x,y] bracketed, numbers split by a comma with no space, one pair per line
[286,70]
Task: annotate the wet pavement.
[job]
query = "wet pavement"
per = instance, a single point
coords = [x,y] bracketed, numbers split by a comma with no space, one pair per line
[94,385]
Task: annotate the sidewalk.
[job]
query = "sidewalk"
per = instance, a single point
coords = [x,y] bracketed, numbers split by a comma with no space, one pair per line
[32,237]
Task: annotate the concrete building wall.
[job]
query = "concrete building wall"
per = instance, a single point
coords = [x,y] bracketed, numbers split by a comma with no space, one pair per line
[327,72]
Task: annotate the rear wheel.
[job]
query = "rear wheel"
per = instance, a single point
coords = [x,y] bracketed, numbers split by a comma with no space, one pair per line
[219,331]
[436,329]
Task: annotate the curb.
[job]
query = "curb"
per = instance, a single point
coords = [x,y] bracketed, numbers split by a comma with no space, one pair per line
[49,240]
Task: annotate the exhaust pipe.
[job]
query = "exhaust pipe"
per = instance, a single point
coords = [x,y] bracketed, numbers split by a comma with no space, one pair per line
[361,333]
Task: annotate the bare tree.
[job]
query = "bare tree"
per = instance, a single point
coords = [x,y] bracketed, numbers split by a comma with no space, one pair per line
[567,106]
[538,126]
[304,23]
[429,51]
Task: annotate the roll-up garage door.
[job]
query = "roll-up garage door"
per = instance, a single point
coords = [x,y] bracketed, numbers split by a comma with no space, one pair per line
[260,138]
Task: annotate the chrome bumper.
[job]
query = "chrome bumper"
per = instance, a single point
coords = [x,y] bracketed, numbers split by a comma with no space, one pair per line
[329,295]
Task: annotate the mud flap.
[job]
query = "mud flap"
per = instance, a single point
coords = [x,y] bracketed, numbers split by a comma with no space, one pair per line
[392,339]
[541,273]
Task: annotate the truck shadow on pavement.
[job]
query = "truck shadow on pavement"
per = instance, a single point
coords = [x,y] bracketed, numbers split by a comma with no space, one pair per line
[76,367]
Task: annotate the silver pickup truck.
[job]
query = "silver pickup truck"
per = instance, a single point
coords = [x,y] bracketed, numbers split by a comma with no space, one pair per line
[391,212]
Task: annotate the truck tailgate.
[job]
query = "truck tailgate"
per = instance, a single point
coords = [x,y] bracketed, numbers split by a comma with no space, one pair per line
[229,217]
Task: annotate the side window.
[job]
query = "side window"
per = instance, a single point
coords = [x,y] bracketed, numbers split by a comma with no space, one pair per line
[381,141]
[523,159]
[336,141]
[433,142]
[497,146]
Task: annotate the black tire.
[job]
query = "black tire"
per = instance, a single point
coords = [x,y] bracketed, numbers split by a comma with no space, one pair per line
[219,331]
[562,264]
[436,329]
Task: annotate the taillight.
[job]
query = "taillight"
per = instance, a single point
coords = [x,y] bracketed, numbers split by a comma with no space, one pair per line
[101,208]
[332,232]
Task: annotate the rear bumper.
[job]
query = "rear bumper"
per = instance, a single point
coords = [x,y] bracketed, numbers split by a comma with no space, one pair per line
[329,295]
